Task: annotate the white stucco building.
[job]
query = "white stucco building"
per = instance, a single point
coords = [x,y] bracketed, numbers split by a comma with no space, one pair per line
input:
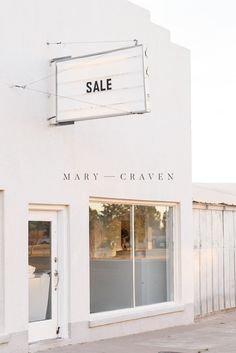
[108,252]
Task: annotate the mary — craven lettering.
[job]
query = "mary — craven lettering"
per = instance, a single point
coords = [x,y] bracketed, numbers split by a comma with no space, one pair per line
[123,176]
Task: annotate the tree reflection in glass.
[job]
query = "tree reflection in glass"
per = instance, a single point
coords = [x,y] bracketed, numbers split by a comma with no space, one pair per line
[39,260]
[110,257]
[153,229]
[117,280]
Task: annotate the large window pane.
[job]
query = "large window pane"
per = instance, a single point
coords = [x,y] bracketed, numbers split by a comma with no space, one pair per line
[111,281]
[153,231]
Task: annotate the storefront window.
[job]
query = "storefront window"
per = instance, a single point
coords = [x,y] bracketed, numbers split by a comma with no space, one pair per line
[153,254]
[123,275]
[111,272]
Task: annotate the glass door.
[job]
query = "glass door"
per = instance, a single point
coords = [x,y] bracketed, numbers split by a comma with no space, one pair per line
[43,275]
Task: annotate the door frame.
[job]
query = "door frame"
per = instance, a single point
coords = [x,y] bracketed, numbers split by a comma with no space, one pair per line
[61,216]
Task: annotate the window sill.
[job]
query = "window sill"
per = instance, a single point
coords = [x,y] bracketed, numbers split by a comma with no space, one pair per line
[4,339]
[118,316]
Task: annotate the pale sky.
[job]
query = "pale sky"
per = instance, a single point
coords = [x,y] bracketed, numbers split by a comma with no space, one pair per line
[208,29]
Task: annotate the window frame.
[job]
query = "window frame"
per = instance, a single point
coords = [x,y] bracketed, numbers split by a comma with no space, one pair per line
[120,315]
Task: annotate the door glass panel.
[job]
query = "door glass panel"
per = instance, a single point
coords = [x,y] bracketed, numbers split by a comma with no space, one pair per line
[39,270]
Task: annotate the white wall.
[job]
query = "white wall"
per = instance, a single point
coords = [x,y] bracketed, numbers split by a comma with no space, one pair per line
[34,156]
[1,265]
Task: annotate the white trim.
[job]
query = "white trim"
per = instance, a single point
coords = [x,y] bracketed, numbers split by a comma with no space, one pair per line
[117,316]
[46,207]
[133,252]
[213,206]
[133,202]
[177,263]
[63,297]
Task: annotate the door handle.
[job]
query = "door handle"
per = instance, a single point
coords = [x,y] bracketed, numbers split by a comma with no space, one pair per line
[56,274]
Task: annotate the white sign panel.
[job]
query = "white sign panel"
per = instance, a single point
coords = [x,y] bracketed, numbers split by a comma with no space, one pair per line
[101,85]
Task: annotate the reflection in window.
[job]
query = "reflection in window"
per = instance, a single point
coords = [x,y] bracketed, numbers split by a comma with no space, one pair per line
[110,257]
[39,253]
[122,276]
[153,254]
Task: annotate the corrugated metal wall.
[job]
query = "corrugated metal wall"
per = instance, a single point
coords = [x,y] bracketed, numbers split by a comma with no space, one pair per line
[214,258]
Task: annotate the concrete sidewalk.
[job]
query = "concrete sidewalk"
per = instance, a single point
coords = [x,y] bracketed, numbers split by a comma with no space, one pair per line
[215,334]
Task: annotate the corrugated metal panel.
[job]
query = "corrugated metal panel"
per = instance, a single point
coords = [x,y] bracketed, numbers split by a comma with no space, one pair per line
[214,258]
[196,225]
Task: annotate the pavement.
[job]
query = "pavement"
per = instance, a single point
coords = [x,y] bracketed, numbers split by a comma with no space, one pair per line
[214,334]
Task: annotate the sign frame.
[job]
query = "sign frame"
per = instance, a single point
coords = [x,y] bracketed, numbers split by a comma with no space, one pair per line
[54,87]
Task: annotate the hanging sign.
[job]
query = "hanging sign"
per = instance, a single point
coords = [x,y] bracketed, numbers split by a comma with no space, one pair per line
[101,85]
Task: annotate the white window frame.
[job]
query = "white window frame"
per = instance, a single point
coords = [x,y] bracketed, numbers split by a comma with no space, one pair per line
[137,312]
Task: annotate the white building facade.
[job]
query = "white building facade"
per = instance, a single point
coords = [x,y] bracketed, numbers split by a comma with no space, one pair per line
[96,217]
